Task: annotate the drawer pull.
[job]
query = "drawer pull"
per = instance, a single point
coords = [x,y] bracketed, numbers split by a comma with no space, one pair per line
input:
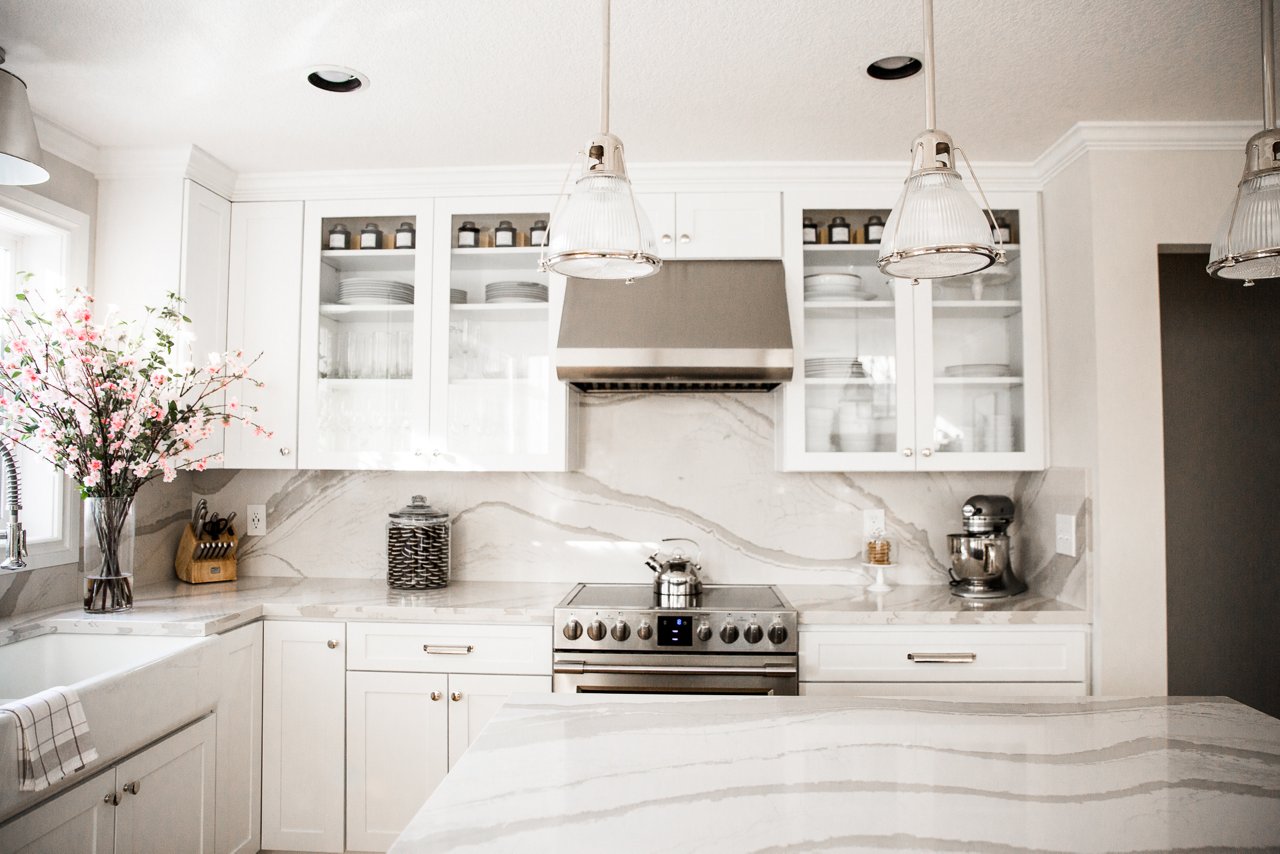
[447,649]
[942,657]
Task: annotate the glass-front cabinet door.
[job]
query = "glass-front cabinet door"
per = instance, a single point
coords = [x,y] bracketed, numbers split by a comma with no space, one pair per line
[495,401]
[363,389]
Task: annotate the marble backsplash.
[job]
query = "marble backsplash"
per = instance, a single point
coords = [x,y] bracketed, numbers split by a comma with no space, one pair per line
[699,466]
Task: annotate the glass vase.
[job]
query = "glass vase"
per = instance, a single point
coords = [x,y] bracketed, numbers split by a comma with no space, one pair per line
[108,554]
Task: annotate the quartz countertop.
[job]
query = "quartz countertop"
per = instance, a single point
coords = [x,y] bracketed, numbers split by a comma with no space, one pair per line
[776,774]
[176,608]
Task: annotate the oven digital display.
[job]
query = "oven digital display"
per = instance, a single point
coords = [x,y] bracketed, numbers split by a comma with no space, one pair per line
[675,631]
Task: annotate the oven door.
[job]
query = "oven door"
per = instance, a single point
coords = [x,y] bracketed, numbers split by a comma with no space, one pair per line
[630,673]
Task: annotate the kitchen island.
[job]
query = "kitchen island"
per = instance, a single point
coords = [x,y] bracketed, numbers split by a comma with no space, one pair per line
[773,774]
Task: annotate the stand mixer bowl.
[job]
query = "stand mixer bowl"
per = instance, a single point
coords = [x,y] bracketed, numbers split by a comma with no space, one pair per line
[978,558]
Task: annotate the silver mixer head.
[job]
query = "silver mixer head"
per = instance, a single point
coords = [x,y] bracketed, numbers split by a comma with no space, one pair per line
[987,514]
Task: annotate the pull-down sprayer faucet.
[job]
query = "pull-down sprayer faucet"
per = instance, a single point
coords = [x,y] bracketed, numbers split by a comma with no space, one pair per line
[17,538]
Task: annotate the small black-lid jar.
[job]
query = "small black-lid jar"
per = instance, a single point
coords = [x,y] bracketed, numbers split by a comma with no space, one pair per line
[504,234]
[339,237]
[538,232]
[468,235]
[874,229]
[371,237]
[839,231]
[809,231]
[405,236]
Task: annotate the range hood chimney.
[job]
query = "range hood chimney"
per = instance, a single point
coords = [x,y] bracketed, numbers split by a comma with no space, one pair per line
[693,326]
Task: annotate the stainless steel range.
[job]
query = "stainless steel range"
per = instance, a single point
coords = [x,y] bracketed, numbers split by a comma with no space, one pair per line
[627,638]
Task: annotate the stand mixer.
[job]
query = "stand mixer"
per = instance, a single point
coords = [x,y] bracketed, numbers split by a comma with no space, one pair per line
[980,566]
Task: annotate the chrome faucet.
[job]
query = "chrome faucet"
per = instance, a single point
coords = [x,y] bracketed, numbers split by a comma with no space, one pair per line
[16,541]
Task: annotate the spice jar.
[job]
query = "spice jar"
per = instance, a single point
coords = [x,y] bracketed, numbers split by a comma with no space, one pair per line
[339,237]
[538,233]
[468,235]
[405,236]
[371,237]
[1002,233]
[810,231]
[839,231]
[504,234]
[874,229]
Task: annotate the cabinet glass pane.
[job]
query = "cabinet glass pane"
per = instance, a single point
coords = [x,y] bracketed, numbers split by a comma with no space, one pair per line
[978,395]
[850,350]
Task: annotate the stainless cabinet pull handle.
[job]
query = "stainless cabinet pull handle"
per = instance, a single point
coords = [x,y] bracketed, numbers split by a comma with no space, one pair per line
[447,649]
[926,452]
[284,452]
[684,238]
[333,644]
[942,657]
[133,788]
[112,798]
[666,238]
[456,696]
[906,452]
[435,696]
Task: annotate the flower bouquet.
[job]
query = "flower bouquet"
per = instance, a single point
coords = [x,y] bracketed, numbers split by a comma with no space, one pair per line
[109,404]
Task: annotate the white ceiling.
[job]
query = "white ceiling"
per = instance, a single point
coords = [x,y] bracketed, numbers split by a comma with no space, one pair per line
[487,82]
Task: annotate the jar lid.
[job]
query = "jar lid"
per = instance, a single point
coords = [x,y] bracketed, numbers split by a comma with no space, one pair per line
[839,221]
[539,223]
[504,223]
[808,220]
[372,225]
[468,224]
[339,227]
[406,225]
[875,220]
[418,510]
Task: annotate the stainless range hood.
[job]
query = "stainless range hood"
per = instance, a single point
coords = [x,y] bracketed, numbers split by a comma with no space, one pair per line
[693,326]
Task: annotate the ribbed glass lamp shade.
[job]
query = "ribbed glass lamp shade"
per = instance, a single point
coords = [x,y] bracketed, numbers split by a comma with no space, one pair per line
[1255,237]
[20,154]
[938,228]
[602,233]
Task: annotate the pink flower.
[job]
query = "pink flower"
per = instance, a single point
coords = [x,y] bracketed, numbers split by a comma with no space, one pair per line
[95,465]
[141,469]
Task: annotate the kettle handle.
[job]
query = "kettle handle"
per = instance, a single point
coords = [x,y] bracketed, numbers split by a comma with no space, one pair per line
[697,557]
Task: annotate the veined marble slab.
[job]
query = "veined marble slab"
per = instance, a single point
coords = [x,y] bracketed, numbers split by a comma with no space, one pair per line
[923,605]
[785,774]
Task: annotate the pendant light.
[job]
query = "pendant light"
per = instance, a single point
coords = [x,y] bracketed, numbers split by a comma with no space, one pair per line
[601,233]
[21,160]
[1247,246]
[936,229]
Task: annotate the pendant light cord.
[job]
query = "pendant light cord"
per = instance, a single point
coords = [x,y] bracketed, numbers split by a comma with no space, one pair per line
[1268,64]
[930,111]
[604,72]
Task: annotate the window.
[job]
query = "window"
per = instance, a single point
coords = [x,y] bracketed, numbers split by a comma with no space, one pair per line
[50,241]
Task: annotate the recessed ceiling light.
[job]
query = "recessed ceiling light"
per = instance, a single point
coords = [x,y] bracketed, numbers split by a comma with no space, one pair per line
[336,78]
[894,67]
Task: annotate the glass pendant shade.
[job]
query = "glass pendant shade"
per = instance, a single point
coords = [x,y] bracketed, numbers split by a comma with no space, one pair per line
[602,233]
[20,155]
[1247,245]
[936,229]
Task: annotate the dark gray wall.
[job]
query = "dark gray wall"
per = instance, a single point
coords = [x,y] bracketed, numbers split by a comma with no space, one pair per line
[1221,351]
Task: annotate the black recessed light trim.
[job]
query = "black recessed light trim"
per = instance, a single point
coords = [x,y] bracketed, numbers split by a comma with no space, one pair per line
[895,67]
[347,79]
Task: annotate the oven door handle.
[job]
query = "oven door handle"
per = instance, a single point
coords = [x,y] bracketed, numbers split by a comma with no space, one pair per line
[579,667]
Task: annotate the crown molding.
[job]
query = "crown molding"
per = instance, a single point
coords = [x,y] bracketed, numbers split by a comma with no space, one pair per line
[185,161]
[65,144]
[1084,137]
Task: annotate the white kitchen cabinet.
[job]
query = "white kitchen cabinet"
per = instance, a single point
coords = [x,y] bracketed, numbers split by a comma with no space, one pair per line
[896,376]
[303,699]
[364,388]
[239,766]
[693,226]
[920,660]
[496,404]
[158,801]
[263,320]
[417,696]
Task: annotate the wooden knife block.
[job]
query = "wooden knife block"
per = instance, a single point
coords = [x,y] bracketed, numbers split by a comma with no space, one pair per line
[210,569]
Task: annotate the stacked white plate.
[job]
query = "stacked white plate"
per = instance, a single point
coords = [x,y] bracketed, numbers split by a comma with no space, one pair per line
[515,292]
[970,371]
[367,291]
[834,367]
[457,296]
[829,287]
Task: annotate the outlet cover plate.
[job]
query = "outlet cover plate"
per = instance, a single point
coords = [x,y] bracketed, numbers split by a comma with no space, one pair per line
[256,516]
[1065,534]
[872,522]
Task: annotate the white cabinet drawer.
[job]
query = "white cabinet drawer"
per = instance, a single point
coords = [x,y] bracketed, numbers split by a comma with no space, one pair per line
[1009,654]
[449,648]
[943,689]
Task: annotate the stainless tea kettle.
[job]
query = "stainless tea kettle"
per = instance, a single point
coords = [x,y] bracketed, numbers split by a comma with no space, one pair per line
[675,582]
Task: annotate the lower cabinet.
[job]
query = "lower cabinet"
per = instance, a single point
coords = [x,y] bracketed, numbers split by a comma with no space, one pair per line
[964,661]
[158,801]
[239,773]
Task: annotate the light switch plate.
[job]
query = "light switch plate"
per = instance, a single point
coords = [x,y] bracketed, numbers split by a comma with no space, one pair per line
[1065,536]
[872,522]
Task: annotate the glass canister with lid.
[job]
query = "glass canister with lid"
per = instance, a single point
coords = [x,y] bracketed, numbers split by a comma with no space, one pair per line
[418,547]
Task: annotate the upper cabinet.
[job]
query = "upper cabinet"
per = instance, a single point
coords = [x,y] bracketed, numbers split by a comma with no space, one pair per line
[943,375]
[701,226]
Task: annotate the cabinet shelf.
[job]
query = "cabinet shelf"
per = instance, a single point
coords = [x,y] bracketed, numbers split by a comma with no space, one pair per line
[500,307]
[842,309]
[368,313]
[977,380]
[367,383]
[523,259]
[846,381]
[368,260]
[967,309]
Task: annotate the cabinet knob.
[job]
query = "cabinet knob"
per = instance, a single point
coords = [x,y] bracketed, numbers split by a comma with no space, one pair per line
[333,644]
[906,452]
[926,452]
[284,452]
[684,238]
[666,238]
[436,453]
[133,788]
[111,798]
[418,453]
[435,696]
[456,696]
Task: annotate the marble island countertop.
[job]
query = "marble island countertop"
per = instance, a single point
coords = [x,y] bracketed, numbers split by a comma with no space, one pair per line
[777,774]
[176,608]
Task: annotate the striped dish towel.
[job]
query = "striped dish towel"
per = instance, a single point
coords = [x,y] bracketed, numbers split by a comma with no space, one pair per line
[53,737]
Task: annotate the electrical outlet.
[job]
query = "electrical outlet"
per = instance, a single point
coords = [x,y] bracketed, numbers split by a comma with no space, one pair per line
[872,522]
[1065,535]
[257,516]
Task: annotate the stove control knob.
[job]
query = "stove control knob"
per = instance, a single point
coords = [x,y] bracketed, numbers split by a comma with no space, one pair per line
[596,630]
[704,632]
[753,633]
[620,631]
[729,633]
[644,631]
[573,629]
[777,633]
